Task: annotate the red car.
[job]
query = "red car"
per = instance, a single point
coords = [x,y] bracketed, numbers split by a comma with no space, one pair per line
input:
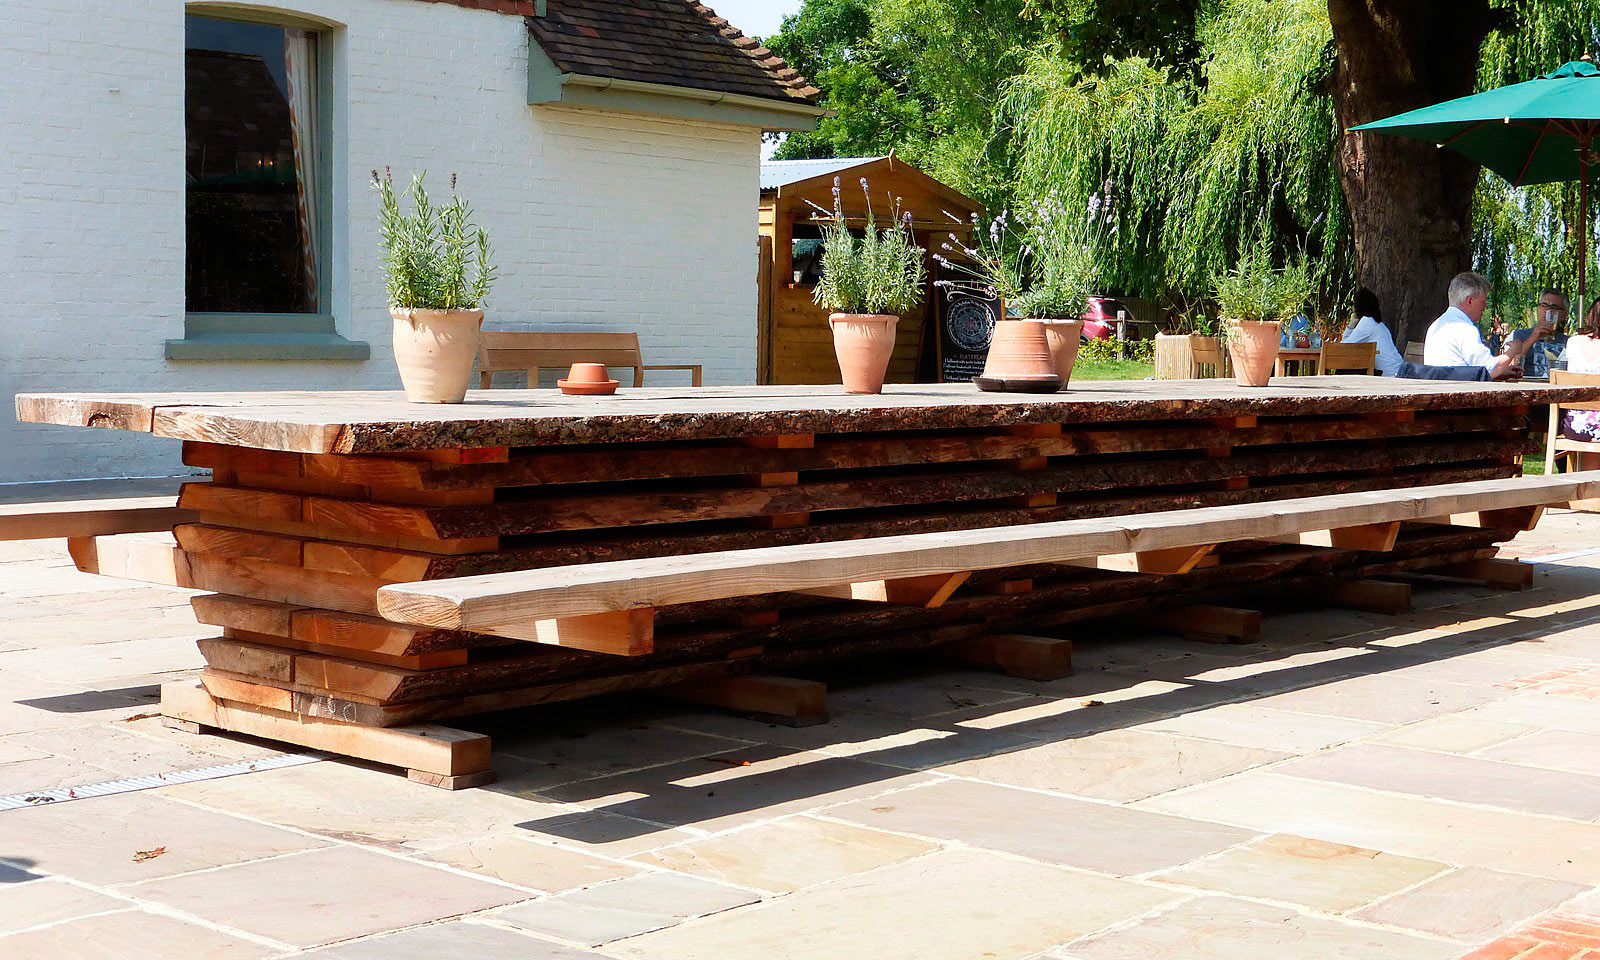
[1100,318]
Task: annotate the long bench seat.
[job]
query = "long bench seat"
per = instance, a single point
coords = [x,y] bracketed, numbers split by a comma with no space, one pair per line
[528,604]
[90,508]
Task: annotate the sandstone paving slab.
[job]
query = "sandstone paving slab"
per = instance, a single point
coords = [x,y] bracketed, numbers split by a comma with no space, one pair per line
[324,896]
[32,903]
[1251,725]
[30,704]
[625,908]
[362,805]
[789,854]
[94,663]
[1094,836]
[1472,903]
[1213,928]
[130,935]
[518,859]
[1409,826]
[1055,718]
[1543,710]
[600,833]
[96,840]
[1116,764]
[1383,699]
[457,939]
[48,773]
[1457,733]
[914,697]
[1452,777]
[715,793]
[952,905]
[129,752]
[1299,668]
[611,749]
[1328,877]
[1561,749]
[12,750]
[87,629]
[892,741]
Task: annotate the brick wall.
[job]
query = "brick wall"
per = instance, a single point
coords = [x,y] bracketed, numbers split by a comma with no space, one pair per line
[599,221]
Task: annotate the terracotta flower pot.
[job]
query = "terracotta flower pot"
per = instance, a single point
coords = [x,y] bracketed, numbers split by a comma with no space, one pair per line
[863,343]
[1063,338]
[434,350]
[1253,345]
[588,380]
[1019,359]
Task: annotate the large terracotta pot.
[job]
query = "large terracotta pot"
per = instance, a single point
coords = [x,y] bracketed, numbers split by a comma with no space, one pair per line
[1253,345]
[434,350]
[1019,359]
[863,343]
[1063,337]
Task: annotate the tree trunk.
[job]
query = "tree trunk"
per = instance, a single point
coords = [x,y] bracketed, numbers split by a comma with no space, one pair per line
[1410,202]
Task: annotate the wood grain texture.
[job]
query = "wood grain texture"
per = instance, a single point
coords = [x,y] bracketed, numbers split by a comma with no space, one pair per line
[378,422]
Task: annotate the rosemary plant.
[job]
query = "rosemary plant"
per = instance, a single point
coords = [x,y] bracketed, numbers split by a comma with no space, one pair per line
[436,257]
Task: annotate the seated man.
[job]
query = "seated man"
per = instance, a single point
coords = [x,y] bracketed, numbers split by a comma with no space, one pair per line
[1453,339]
[1368,328]
[1552,308]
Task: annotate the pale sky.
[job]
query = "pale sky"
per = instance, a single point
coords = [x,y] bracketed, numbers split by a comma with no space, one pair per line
[755,18]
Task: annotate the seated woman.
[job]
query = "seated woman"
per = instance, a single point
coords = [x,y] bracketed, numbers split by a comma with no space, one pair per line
[1368,328]
[1583,356]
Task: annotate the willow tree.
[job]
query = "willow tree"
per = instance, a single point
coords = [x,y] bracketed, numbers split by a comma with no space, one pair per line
[1183,171]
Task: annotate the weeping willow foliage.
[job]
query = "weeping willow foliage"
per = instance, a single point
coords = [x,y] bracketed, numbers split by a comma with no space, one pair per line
[1526,238]
[1179,178]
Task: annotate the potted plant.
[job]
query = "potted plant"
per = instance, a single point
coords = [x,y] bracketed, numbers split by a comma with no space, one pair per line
[1254,299]
[437,264]
[867,281]
[1192,338]
[1042,267]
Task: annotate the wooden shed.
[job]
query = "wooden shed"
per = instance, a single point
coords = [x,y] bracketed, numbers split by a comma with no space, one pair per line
[795,344]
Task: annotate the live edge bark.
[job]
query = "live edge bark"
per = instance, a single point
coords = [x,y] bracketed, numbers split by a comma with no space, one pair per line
[1410,202]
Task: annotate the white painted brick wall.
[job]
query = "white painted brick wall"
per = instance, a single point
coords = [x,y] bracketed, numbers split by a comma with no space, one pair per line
[600,222]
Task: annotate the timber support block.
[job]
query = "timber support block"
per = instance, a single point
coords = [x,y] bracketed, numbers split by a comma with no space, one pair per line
[1498,573]
[930,591]
[1016,655]
[453,758]
[781,700]
[1208,624]
[1514,518]
[1172,560]
[1373,596]
[622,633]
[1376,537]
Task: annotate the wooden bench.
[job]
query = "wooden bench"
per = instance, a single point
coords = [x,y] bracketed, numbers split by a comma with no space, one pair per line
[1579,454]
[606,599]
[90,508]
[535,352]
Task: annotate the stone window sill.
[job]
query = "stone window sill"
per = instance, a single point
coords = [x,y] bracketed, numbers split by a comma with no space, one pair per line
[291,346]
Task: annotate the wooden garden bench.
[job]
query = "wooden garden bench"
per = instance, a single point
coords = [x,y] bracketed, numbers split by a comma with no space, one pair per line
[97,509]
[1555,444]
[535,352]
[606,606]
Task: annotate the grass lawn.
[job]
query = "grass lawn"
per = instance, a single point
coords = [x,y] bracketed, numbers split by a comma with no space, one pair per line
[1112,370]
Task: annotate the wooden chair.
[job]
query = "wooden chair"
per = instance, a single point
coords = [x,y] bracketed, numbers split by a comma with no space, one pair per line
[1206,356]
[534,352]
[1577,451]
[1352,357]
[1414,351]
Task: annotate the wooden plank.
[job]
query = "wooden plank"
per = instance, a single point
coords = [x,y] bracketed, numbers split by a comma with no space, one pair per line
[497,601]
[379,422]
[146,557]
[783,700]
[1017,655]
[1373,596]
[88,518]
[440,751]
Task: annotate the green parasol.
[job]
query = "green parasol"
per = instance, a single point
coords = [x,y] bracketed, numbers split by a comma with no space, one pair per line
[1538,131]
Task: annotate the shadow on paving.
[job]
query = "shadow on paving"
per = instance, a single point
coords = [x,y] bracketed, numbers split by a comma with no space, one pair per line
[755,778]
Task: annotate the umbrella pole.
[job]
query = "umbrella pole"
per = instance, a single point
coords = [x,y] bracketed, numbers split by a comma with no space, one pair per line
[1583,223]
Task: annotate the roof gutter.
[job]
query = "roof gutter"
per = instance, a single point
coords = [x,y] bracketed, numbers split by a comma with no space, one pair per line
[694,93]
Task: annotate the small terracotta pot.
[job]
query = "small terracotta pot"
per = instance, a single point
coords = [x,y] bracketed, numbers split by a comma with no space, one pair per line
[588,380]
[863,343]
[1063,338]
[1253,345]
[434,351]
[1019,359]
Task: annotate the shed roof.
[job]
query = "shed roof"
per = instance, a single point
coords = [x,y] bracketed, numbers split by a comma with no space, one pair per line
[678,43]
[779,173]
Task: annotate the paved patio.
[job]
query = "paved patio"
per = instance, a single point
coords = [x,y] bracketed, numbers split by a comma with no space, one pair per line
[1423,786]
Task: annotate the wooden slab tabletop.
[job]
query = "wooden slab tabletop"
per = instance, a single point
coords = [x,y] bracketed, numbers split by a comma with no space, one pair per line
[383,422]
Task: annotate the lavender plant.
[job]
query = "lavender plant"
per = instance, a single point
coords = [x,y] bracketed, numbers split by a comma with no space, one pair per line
[436,257]
[1042,264]
[879,272]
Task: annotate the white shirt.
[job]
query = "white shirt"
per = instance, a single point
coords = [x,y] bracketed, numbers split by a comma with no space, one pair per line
[1453,341]
[1368,330]
[1583,354]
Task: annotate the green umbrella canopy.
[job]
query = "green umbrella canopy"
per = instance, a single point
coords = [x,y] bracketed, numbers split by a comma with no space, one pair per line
[1529,132]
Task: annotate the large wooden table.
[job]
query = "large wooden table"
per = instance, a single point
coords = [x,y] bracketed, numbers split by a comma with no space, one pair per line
[319,499]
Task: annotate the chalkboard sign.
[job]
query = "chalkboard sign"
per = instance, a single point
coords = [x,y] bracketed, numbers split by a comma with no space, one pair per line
[966,325]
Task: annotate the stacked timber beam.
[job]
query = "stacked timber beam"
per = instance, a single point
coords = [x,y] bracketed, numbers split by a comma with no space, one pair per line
[318,502]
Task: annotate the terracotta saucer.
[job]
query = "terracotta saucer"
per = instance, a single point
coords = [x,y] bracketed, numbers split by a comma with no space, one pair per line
[1018,385]
[593,388]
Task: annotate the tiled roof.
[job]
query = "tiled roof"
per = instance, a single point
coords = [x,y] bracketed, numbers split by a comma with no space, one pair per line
[679,43]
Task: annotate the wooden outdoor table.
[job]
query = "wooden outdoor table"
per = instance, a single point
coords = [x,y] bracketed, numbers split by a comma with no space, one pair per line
[319,499]
[1301,358]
